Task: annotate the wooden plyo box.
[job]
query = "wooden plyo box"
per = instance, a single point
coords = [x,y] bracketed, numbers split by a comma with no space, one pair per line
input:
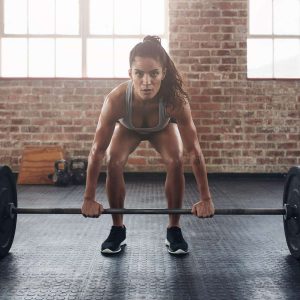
[37,163]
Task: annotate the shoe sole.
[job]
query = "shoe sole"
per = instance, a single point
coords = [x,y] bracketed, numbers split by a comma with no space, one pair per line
[177,252]
[109,251]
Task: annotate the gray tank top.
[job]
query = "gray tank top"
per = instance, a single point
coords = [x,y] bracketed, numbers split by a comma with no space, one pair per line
[163,119]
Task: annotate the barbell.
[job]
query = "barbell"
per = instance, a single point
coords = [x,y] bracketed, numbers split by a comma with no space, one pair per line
[290,211]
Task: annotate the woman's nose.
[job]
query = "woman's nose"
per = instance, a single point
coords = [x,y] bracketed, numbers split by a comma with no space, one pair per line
[146,79]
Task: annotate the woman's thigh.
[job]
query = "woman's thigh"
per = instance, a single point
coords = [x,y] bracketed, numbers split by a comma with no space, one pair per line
[168,143]
[123,142]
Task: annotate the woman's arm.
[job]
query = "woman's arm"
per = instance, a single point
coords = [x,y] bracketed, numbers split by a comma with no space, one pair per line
[187,129]
[111,112]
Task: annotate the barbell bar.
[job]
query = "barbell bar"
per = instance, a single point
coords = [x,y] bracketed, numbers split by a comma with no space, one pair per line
[156,211]
[290,210]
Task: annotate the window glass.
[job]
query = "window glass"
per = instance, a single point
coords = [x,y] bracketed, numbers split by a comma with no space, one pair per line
[287,17]
[75,38]
[41,57]
[274,36]
[260,58]
[67,17]
[260,16]
[41,16]
[101,17]
[14,57]
[15,20]
[127,17]
[68,57]
[152,17]
[122,50]
[287,58]
[100,58]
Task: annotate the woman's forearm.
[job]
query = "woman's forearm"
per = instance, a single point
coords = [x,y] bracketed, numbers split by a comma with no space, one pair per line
[200,173]
[94,166]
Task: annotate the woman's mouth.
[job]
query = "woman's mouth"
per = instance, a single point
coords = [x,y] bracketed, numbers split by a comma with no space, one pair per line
[146,91]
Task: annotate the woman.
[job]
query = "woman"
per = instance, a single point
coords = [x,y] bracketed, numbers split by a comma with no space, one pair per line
[151,106]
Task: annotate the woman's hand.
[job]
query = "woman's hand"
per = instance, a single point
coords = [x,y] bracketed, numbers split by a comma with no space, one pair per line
[204,208]
[91,209]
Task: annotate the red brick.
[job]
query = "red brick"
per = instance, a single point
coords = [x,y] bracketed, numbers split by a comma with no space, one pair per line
[211,28]
[85,91]
[210,14]
[295,153]
[41,121]
[211,92]
[189,45]
[30,129]
[221,37]
[74,129]
[229,13]
[42,91]
[20,121]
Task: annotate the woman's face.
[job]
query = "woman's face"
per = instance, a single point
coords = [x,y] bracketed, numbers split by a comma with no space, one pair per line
[146,74]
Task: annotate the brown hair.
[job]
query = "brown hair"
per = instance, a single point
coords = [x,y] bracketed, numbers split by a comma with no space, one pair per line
[171,87]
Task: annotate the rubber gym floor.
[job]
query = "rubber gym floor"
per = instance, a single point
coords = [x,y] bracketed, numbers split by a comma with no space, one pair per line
[231,257]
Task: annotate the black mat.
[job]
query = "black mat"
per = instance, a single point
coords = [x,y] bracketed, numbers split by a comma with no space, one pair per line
[232,257]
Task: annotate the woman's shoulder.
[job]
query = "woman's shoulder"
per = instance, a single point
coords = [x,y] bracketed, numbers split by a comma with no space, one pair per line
[115,100]
[118,92]
[174,110]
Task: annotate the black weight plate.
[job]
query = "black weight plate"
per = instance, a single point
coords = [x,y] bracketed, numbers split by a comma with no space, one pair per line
[291,196]
[8,194]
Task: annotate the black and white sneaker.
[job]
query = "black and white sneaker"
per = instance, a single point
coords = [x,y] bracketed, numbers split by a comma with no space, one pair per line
[175,241]
[115,241]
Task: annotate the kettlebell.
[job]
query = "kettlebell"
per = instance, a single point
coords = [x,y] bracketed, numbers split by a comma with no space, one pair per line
[78,169]
[61,176]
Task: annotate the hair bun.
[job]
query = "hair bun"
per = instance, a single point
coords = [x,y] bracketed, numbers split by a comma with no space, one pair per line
[153,39]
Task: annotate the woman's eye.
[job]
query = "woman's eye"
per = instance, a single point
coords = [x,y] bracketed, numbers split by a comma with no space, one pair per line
[154,74]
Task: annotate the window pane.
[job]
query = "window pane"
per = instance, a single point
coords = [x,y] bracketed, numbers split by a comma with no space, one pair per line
[15,20]
[260,16]
[127,16]
[100,58]
[68,57]
[41,57]
[122,50]
[67,17]
[287,58]
[41,16]
[101,17]
[14,57]
[259,58]
[287,17]
[153,25]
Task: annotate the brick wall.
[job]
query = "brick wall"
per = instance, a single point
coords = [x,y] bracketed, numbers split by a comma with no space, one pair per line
[243,125]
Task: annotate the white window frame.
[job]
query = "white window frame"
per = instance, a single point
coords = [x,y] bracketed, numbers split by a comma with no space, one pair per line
[271,37]
[83,34]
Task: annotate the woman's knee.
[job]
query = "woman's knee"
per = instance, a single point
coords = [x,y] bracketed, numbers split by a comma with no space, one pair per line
[174,163]
[115,163]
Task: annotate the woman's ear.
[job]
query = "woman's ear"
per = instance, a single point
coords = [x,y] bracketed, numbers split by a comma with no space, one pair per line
[130,73]
[164,73]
